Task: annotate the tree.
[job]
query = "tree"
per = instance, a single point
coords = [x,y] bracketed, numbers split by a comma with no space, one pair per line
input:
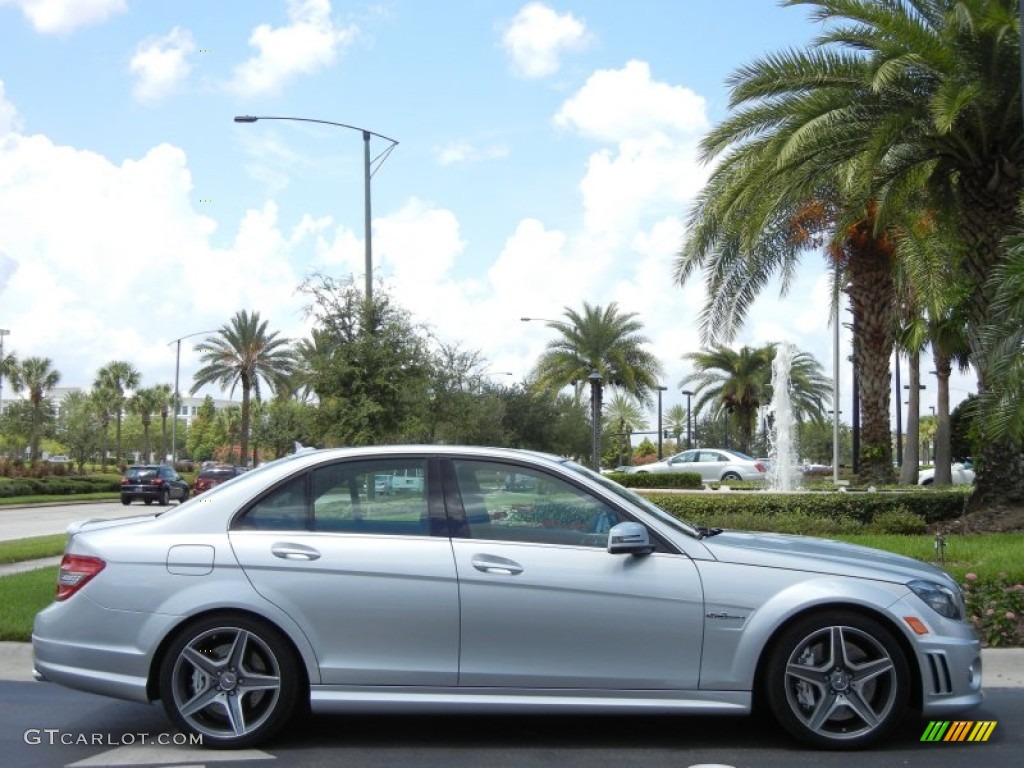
[202,438]
[37,376]
[114,378]
[80,428]
[368,365]
[145,403]
[622,417]
[243,354]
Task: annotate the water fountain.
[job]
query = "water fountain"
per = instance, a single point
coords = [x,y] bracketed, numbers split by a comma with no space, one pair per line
[783,475]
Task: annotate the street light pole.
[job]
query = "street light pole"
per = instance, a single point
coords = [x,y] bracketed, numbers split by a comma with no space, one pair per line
[177,398]
[3,332]
[661,447]
[689,419]
[368,171]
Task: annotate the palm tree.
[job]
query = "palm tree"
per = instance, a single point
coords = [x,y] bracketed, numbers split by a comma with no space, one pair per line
[244,354]
[38,377]
[602,340]
[145,403]
[677,421]
[623,416]
[115,378]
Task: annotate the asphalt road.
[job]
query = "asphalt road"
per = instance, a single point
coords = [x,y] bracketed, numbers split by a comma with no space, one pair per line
[22,522]
[44,725]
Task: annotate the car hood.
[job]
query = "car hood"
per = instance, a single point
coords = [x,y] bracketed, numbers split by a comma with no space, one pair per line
[805,553]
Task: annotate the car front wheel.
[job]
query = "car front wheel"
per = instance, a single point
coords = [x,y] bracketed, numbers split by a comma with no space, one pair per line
[730,477]
[837,680]
[233,680]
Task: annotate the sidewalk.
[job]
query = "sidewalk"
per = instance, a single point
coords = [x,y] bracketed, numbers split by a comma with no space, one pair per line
[1002,667]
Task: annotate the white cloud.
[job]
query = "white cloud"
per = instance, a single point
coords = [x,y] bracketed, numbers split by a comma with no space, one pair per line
[459,152]
[538,36]
[63,16]
[160,64]
[9,121]
[309,42]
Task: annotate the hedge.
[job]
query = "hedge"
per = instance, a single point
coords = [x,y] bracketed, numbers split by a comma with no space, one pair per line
[689,480]
[930,504]
[56,486]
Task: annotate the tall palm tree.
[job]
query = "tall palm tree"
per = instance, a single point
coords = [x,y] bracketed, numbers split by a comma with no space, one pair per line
[243,354]
[677,421]
[115,378]
[604,340]
[38,377]
[623,416]
[145,403]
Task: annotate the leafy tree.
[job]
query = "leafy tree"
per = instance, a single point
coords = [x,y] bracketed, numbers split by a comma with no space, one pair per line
[80,428]
[282,423]
[542,420]
[368,365]
[16,427]
[203,439]
[243,354]
[622,417]
[37,376]
[676,421]
[114,378]
[145,403]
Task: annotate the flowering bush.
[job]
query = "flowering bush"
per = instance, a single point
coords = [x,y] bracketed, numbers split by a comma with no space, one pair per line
[996,609]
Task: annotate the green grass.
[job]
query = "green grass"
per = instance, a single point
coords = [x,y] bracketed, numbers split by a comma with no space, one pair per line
[989,555]
[19,550]
[22,596]
[11,501]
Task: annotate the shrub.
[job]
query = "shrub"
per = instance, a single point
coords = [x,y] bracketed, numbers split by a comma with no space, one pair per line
[690,480]
[996,609]
[899,521]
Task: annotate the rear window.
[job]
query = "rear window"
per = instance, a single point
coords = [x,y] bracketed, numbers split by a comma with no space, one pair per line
[141,473]
[225,473]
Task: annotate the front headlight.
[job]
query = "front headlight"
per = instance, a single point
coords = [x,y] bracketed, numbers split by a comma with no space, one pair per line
[943,600]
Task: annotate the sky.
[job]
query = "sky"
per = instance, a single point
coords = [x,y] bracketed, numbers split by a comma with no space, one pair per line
[546,157]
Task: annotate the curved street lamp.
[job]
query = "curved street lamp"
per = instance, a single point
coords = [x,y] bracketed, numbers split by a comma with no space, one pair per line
[368,171]
[177,398]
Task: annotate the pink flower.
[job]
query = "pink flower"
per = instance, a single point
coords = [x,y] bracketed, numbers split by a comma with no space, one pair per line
[971,577]
[1011,615]
[1019,587]
[990,612]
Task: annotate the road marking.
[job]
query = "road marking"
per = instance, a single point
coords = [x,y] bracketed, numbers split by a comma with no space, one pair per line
[710,765]
[167,755]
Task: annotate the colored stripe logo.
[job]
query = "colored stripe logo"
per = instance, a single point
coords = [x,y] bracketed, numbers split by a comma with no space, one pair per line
[958,730]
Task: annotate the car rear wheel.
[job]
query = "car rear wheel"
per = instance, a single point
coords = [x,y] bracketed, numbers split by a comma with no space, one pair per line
[730,476]
[184,496]
[837,680]
[147,501]
[125,501]
[232,679]
[165,497]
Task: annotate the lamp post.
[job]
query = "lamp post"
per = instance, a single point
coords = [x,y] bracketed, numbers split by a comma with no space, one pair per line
[661,446]
[177,366]
[595,414]
[3,332]
[689,419]
[367,174]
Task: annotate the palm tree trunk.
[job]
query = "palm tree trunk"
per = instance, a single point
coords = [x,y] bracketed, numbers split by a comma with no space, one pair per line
[943,453]
[244,438]
[908,472]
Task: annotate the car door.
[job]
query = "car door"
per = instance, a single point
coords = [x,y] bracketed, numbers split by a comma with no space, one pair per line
[544,605]
[362,573]
[711,465]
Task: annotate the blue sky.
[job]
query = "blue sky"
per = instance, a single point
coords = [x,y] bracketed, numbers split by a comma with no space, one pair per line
[546,157]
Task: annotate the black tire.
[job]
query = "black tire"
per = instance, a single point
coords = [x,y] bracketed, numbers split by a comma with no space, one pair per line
[837,680]
[928,481]
[147,501]
[730,476]
[245,668]
[184,496]
[165,497]
[125,501]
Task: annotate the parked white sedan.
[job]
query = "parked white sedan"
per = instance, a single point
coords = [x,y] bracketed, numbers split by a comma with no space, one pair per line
[712,464]
[963,474]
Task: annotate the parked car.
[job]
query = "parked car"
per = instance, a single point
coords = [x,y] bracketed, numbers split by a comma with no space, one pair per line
[153,482]
[712,464]
[59,458]
[216,474]
[962,474]
[268,598]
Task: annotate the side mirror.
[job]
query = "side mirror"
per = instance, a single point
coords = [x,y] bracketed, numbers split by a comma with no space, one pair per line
[629,539]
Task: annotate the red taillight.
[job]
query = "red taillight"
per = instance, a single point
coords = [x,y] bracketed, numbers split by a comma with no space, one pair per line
[124,481]
[158,481]
[75,572]
[760,467]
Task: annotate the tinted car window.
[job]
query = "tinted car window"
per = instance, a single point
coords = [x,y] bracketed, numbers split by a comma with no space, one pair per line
[142,473]
[362,497]
[529,506]
[223,473]
[285,508]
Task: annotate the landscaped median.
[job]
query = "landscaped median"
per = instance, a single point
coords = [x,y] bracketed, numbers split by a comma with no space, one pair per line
[59,489]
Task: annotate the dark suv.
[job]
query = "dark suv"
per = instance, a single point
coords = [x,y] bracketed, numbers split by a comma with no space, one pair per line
[215,475]
[153,482]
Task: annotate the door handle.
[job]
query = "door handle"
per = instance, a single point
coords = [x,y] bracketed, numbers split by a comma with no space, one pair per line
[288,551]
[499,565]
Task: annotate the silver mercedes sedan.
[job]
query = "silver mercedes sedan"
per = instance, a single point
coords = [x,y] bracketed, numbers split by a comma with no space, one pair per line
[301,585]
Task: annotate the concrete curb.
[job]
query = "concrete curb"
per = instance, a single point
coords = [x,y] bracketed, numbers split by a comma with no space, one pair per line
[1003,667]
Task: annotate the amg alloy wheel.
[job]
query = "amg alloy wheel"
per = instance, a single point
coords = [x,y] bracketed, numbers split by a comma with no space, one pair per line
[837,680]
[234,680]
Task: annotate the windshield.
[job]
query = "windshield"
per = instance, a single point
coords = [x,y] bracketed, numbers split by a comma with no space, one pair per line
[634,498]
